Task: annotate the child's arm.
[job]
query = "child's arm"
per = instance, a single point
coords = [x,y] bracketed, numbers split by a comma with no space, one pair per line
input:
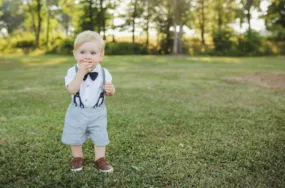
[110,89]
[74,86]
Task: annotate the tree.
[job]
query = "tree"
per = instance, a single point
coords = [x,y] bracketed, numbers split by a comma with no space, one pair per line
[35,11]
[90,12]
[275,19]
[148,16]
[51,7]
[113,5]
[103,16]
[134,16]
[133,13]
[181,14]
[202,18]
[164,21]
[12,15]
[224,13]
[70,15]
[245,12]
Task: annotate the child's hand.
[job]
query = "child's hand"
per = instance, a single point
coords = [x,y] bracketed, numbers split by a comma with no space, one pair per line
[84,67]
[109,89]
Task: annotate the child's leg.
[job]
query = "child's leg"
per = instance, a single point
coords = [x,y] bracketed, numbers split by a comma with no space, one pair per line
[99,152]
[77,161]
[77,151]
[100,161]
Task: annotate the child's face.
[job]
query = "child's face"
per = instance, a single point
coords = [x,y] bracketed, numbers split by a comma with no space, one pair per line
[88,52]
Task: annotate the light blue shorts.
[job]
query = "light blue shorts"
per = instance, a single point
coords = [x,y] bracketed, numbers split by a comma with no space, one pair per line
[81,123]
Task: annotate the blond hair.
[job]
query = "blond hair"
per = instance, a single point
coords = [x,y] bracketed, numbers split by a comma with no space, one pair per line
[89,36]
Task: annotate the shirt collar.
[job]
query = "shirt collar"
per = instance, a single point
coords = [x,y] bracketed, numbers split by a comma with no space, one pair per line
[97,68]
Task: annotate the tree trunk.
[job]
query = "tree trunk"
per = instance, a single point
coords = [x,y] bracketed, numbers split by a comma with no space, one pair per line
[133,21]
[248,17]
[113,35]
[167,47]
[113,28]
[102,19]
[104,26]
[168,37]
[113,23]
[175,18]
[180,35]
[39,7]
[33,20]
[158,40]
[65,23]
[147,34]
[220,18]
[147,25]
[175,42]
[48,24]
[66,27]
[91,15]
[202,22]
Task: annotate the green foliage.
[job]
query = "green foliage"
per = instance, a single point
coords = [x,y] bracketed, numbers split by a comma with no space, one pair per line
[90,14]
[11,15]
[228,44]
[278,32]
[223,40]
[25,45]
[62,46]
[249,43]
[65,46]
[282,48]
[125,48]
[252,44]
[4,44]
[265,49]
[277,46]
[17,43]
[166,44]
[275,19]
[195,47]
[245,9]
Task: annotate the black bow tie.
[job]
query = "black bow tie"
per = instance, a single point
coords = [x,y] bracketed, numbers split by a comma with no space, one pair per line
[93,75]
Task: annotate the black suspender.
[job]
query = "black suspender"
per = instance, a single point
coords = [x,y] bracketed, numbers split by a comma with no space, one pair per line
[101,98]
[77,95]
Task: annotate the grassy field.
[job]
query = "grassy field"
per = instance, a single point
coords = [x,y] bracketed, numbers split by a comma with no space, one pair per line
[173,122]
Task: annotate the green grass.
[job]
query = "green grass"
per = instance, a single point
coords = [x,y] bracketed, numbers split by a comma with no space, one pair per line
[173,122]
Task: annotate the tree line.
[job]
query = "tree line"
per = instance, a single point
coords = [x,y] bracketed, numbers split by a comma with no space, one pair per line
[50,25]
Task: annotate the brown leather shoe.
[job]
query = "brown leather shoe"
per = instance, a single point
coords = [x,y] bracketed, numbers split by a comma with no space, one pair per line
[103,165]
[77,164]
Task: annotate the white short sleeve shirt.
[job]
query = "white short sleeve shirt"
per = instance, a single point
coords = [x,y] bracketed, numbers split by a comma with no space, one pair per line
[89,90]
